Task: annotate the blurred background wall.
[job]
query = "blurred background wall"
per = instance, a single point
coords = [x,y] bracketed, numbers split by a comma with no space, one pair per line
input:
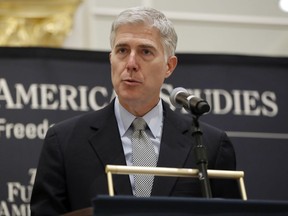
[249,27]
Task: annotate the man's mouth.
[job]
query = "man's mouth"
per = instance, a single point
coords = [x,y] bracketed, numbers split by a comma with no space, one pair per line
[131,81]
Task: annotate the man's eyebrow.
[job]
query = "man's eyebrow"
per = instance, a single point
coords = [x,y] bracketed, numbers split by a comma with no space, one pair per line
[142,46]
[121,45]
[148,46]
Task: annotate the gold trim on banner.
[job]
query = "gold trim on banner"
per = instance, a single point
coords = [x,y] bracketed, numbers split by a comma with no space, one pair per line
[36,22]
[176,172]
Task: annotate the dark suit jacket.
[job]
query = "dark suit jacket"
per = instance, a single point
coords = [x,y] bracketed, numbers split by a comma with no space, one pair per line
[71,168]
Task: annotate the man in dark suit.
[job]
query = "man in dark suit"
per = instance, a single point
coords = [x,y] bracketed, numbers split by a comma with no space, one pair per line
[71,168]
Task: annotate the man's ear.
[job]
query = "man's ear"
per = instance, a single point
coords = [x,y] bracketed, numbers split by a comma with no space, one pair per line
[171,64]
[110,57]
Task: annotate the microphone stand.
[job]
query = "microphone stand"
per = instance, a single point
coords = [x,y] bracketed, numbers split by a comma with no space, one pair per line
[201,158]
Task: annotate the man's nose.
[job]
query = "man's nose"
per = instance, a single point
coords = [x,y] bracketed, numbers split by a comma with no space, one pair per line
[132,64]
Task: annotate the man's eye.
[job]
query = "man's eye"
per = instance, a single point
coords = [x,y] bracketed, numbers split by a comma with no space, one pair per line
[147,52]
[122,50]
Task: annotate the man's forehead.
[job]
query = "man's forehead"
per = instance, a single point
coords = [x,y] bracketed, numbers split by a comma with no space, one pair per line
[146,33]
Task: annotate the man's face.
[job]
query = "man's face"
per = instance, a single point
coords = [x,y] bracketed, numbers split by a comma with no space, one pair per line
[138,66]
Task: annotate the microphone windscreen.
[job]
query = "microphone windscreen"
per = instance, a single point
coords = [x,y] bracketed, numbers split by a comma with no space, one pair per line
[174,94]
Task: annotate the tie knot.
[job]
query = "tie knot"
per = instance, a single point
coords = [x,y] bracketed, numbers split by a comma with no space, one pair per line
[139,124]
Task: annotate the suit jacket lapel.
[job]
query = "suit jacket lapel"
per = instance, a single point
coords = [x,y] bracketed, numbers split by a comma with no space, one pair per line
[107,145]
[174,150]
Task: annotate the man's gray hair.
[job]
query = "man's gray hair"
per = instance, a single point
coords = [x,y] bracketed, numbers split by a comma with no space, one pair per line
[149,16]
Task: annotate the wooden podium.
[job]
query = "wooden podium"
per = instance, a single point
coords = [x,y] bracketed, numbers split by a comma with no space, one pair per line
[157,171]
[171,206]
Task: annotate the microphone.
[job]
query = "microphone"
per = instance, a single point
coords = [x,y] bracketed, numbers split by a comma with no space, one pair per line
[181,98]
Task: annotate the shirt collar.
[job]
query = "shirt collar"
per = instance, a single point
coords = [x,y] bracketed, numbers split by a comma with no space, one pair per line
[153,118]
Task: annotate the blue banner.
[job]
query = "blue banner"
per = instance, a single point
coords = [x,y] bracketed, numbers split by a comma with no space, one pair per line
[42,86]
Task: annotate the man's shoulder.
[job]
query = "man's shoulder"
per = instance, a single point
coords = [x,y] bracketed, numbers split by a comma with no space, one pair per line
[87,119]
